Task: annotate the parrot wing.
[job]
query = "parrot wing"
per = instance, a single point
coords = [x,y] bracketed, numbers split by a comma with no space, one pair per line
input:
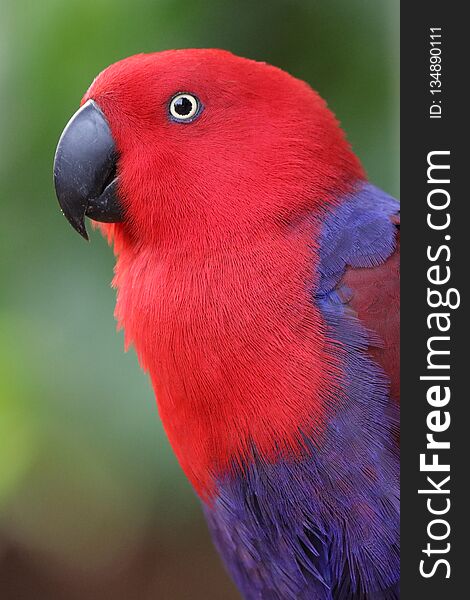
[375,299]
[280,526]
[360,268]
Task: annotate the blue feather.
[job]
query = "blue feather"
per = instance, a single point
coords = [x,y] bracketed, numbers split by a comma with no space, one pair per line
[326,526]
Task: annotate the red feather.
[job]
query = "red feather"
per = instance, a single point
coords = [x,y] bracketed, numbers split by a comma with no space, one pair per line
[217,254]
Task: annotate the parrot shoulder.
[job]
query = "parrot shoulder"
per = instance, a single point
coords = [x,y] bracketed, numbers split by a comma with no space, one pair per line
[359,269]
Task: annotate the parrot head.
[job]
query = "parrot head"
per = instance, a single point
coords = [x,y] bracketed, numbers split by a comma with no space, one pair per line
[161,141]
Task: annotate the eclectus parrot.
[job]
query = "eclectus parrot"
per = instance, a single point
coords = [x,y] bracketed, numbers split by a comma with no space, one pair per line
[257,276]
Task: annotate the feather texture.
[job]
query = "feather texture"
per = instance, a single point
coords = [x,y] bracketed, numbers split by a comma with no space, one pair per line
[257,279]
[326,526]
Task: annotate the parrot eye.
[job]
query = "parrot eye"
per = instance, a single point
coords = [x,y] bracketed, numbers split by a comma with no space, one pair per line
[184,107]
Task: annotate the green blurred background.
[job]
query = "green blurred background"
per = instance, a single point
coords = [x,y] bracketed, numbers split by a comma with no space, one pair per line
[92,502]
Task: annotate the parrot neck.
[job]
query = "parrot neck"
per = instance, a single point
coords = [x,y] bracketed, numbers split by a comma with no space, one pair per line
[234,345]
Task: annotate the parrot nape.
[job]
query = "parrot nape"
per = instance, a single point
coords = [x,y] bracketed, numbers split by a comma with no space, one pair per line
[257,276]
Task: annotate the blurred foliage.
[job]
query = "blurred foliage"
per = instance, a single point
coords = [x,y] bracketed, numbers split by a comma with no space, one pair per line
[84,463]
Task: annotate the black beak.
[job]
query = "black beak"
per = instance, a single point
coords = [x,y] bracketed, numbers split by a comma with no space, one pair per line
[85,174]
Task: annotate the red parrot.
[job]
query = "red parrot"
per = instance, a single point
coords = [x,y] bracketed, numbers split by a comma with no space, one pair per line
[257,278]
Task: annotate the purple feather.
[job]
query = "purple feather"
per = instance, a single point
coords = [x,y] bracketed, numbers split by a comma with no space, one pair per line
[326,527]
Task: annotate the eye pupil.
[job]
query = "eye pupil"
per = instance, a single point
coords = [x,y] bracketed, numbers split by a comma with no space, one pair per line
[183,106]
